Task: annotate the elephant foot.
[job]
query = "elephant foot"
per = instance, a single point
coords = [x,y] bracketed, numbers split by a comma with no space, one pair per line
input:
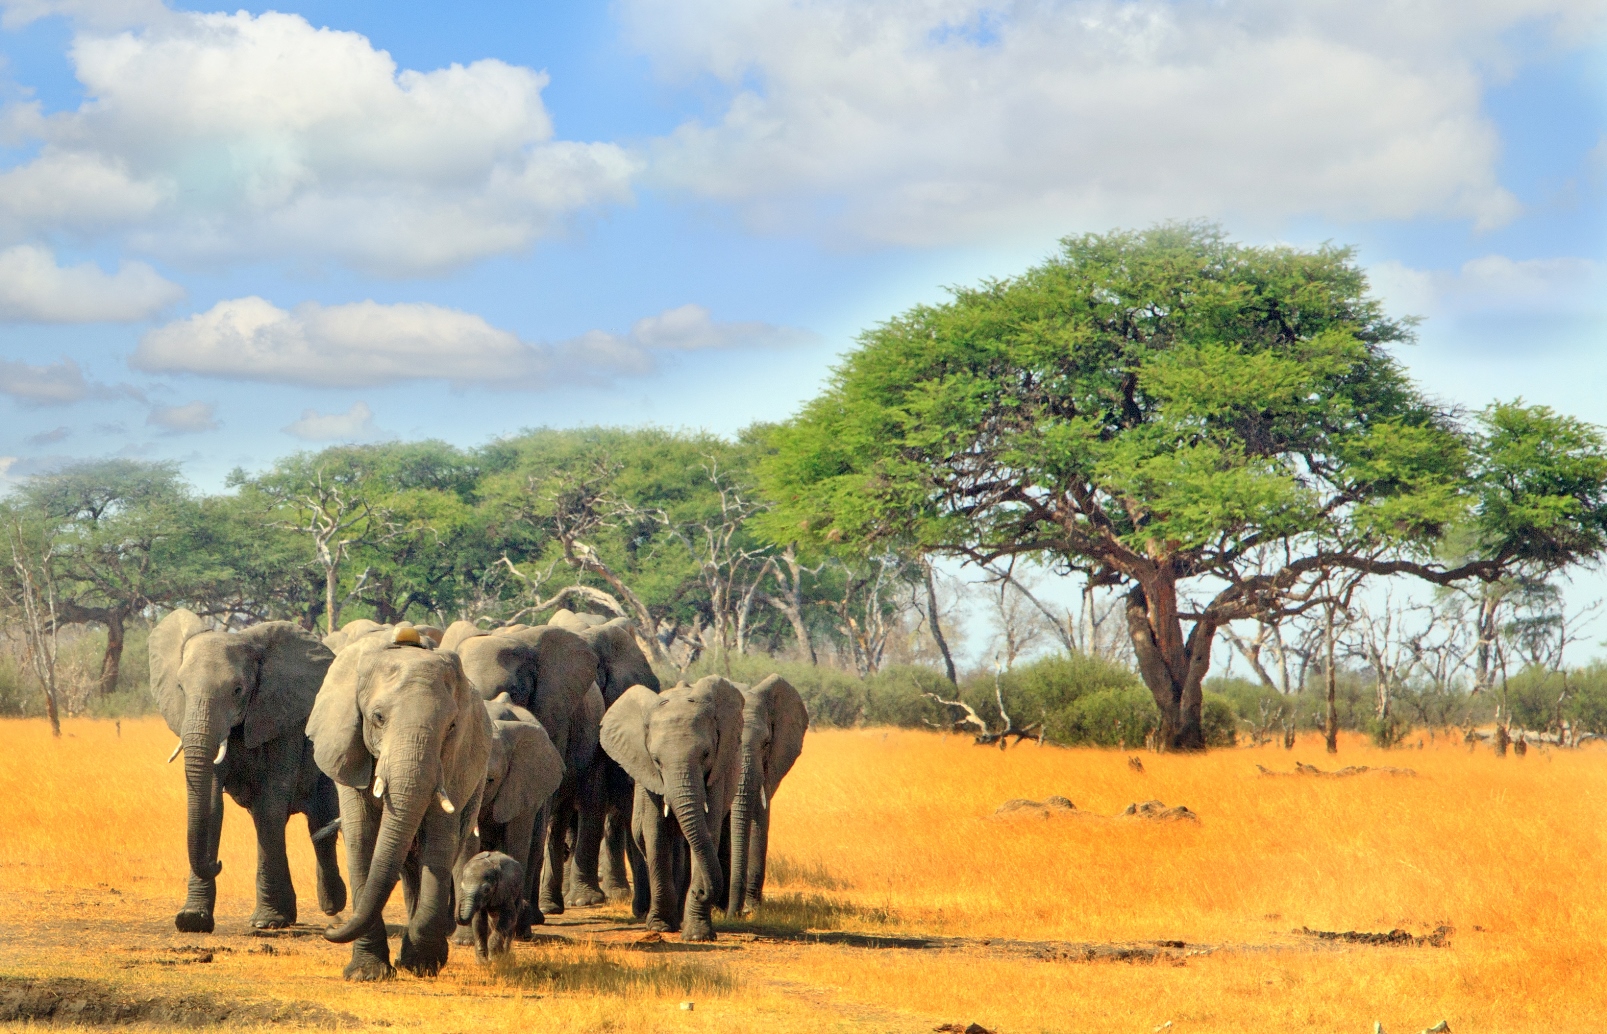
[658,925]
[331,896]
[614,891]
[191,920]
[697,930]
[267,917]
[368,970]
[463,936]
[582,896]
[552,907]
[421,961]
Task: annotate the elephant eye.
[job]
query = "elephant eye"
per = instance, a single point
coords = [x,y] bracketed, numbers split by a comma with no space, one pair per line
[378,718]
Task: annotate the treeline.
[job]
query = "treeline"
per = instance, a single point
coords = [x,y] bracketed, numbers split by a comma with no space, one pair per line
[651,524]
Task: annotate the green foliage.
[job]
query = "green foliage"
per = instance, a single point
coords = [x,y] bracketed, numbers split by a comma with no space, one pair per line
[1218,720]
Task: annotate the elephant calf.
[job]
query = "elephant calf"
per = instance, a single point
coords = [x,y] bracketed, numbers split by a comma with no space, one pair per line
[490,899]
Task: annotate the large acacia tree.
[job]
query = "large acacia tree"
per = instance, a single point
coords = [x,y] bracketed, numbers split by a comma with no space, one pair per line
[1213,427]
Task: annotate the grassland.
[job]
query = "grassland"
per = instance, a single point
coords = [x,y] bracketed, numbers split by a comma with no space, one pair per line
[900,902]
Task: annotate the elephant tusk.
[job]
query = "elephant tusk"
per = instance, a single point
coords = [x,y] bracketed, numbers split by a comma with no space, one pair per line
[326,832]
[446,802]
[223,749]
[764,799]
[379,786]
[179,749]
[666,808]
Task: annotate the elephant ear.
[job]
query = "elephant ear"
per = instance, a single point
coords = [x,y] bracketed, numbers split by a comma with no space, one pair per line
[624,737]
[456,632]
[166,648]
[789,720]
[585,729]
[335,725]
[291,670]
[534,771]
[726,769]
[468,745]
[350,632]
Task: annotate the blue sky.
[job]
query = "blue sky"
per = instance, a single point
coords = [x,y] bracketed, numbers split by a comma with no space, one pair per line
[228,236]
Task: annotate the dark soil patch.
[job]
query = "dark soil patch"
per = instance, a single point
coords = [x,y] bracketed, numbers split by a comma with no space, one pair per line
[1036,809]
[1159,812]
[93,1003]
[1394,938]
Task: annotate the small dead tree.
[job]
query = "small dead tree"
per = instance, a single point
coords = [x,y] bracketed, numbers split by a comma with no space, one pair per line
[34,596]
[984,735]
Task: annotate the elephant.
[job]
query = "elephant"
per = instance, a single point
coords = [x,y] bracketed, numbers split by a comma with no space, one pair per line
[405,737]
[354,629]
[553,673]
[683,747]
[490,901]
[774,720]
[603,804]
[522,771]
[238,701]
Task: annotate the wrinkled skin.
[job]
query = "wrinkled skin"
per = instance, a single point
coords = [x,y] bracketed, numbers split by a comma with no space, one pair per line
[522,771]
[398,727]
[605,797]
[549,671]
[490,900]
[774,721]
[683,748]
[252,690]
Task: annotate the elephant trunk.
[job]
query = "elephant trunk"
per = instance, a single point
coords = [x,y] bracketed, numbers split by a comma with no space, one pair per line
[203,731]
[407,797]
[470,903]
[689,798]
[741,825]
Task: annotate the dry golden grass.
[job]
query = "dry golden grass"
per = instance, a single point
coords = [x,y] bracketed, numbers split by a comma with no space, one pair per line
[891,834]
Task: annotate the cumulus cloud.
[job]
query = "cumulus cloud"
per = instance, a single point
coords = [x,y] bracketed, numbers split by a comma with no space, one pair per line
[923,122]
[365,344]
[356,424]
[34,289]
[207,136]
[1495,283]
[54,384]
[190,418]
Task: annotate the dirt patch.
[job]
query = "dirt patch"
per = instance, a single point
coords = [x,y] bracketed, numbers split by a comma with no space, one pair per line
[1396,938]
[1023,808]
[1158,812]
[93,1003]
[1303,769]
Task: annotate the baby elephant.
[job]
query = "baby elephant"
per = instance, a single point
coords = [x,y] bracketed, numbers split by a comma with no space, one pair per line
[490,896]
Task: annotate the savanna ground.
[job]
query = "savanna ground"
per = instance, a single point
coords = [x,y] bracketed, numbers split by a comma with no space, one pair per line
[898,901]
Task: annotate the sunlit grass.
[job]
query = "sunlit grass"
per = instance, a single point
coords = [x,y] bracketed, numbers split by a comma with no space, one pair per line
[892,834]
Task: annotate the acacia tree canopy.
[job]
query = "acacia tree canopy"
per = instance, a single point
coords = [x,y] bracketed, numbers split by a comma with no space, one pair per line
[1170,410]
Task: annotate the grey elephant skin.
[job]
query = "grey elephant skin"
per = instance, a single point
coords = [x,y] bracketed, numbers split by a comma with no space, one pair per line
[601,814]
[490,900]
[239,701]
[405,737]
[774,720]
[522,771]
[552,673]
[683,748]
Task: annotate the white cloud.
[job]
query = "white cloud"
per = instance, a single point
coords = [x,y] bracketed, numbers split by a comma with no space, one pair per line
[364,344]
[50,437]
[1494,283]
[34,289]
[207,136]
[50,385]
[356,424]
[925,122]
[190,418]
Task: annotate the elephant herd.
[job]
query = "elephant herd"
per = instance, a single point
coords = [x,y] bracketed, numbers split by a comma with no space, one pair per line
[552,746]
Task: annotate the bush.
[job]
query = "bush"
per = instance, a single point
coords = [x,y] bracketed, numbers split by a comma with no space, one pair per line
[1218,721]
[1106,718]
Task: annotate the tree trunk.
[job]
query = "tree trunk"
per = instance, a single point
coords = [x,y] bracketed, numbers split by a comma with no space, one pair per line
[112,662]
[1332,730]
[931,616]
[331,607]
[1173,669]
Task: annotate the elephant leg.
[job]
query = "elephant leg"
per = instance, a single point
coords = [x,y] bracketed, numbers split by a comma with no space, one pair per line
[620,791]
[552,871]
[480,937]
[532,859]
[722,892]
[470,844]
[323,809]
[202,896]
[429,915]
[517,837]
[682,855]
[658,845]
[276,894]
[359,822]
[641,872]
[410,884]
[583,889]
